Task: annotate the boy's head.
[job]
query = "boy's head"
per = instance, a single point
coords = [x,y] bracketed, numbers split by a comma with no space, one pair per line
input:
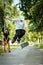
[22,19]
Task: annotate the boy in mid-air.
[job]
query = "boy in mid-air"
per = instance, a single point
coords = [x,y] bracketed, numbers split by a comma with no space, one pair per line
[21,28]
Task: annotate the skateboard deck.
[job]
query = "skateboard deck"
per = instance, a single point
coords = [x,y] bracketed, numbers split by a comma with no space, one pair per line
[24,44]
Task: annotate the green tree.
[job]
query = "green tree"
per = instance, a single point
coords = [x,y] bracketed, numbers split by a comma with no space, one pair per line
[1,17]
[33,10]
[9,11]
[37,14]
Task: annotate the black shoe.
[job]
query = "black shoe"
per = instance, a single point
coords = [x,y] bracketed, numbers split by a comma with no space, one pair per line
[9,51]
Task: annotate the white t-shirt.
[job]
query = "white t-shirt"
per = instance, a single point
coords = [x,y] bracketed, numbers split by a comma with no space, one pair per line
[19,24]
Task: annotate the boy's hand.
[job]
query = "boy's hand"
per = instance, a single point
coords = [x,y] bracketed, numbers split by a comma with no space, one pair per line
[8,18]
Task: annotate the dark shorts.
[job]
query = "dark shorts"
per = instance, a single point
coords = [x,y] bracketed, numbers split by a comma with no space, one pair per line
[6,39]
[19,34]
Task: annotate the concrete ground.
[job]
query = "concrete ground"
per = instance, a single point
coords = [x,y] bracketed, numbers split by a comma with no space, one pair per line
[27,56]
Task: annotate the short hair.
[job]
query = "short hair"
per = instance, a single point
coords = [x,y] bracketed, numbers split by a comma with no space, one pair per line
[21,18]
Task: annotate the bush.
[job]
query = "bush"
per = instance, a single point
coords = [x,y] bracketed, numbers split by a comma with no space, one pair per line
[39,45]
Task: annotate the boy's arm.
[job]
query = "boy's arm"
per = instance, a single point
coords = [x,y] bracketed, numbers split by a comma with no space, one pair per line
[14,19]
[10,19]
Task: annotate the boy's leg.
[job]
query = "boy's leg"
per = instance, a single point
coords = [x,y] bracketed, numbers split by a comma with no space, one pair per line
[5,43]
[20,35]
[8,46]
[14,38]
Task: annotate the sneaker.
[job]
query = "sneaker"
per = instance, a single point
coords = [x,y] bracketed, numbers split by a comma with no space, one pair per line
[9,51]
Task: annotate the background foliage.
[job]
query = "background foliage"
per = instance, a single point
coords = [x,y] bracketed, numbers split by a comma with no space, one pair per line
[32,10]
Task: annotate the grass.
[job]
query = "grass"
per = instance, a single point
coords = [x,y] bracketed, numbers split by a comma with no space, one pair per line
[2,52]
[39,45]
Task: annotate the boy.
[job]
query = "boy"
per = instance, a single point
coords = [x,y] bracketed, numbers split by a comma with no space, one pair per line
[21,28]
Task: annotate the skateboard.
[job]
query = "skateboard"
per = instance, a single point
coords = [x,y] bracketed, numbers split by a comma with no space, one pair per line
[24,44]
